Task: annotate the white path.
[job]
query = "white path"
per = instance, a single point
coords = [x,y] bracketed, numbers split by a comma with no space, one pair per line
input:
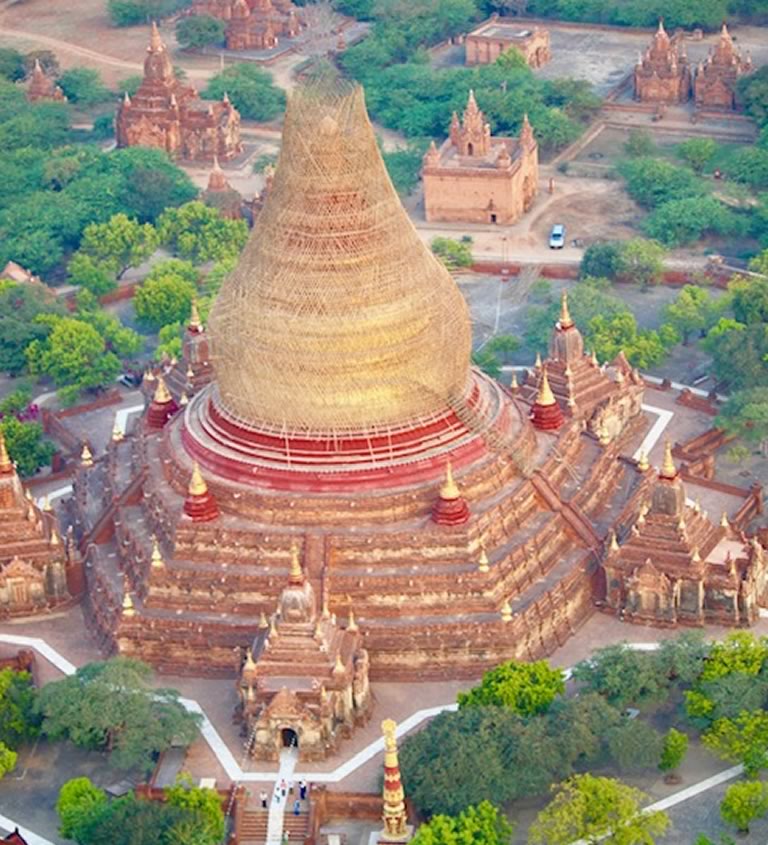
[55,494]
[32,838]
[281,795]
[121,417]
[657,429]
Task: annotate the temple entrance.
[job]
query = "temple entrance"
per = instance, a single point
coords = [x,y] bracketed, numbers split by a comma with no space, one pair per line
[289,738]
[470,150]
[493,218]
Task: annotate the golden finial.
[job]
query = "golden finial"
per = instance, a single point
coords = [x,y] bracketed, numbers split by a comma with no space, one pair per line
[568,371]
[565,316]
[681,523]
[696,557]
[668,468]
[506,612]
[155,41]
[157,557]
[697,506]
[338,666]
[641,518]
[538,361]
[263,624]
[117,432]
[250,696]
[483,563]
[724,520]
[593,359]
[128,608]
[514,385]
[190,372]
[351,624]
[545,397]
[296,574]
[46,504]
[642,462]
[55,539]
[86,457]
[183,399]
[149,376]
[197,485]
[272,627]
[449,490]
[249,664]
[194,319]
[614,545]
[5,460]
[604,437]
[325,612]
[162,394]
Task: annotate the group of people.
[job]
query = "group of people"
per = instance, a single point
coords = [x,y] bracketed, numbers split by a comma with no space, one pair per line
[282,790]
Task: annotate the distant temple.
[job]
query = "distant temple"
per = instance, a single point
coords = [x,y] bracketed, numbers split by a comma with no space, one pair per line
[716,78]
[485,44]
[43,87]
[167,114]
[662,73]
[39,569]
[219,194]
[253,24]
[474,177]
[673,566]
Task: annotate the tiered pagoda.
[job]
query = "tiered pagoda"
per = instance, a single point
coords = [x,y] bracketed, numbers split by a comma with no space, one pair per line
[674,566]
[715,84]
[253,24]
[167,114]
[342,442]
[607,398]
[39,569]
[219,194]
[475,177]
[42,87]
[662,73]
[304,680]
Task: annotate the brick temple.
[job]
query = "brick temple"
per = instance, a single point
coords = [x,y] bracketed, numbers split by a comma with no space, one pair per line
[253,24]
[323,491]
[475,177]
[488,41]
[168,114]
[43,87]
[715,84]
[662,72]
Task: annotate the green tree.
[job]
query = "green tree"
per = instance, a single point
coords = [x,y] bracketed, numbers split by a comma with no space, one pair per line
[643,347]
[199,233]
[673,751]
[11,64]
[133,725]
[743,803]
[525,688]
[78,802]
[131,821]
[642,261]
[454,254]
[601,260]
[681,659]
[634,744]
[8,759]
[741,740]
[639,143]
[83,85]
[693,311]
[753,93]
[483,823]
[488,362]
[683,221]
[503,345]
[251,90]
[204,803]
[739,651]
[652,181]
[404,166]
[697,152]
[596,809]
[198,31]
[164,299]
[749,298]
[18,719]
[623,676]
[20,305]
[738,353]
[26,444]
[745,415]
[74,355]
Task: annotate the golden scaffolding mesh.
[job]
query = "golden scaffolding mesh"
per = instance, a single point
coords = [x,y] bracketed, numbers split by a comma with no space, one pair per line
[337,317]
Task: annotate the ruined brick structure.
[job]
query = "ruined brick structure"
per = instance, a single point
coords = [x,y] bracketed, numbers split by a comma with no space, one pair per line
[304,680]
[39,570]
[716,77]
[674,566]
[42,87]
[475,177]
[488,41]
[167,114]
[662,73]
[327,430]
[219,194]
[253,24]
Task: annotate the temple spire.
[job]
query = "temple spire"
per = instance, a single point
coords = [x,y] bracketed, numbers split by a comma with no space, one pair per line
[155,41]
[86,456]
[565,315]
[393,815]
[200,505]
[197,485]
[297,574]
[668,468]
[162,394]
[450,508]
[545,396]
[195,323]
[6,465]
[449,490]
[157,557]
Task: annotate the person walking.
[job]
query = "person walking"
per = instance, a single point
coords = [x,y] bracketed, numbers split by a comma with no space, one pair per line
[303,789]
[283,787]
[263,797]
[297,807]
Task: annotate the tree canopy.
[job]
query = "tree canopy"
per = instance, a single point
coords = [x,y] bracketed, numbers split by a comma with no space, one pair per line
[525,688]
[165,296]
[251,90]
[198,233]
[196,31]
[482,823]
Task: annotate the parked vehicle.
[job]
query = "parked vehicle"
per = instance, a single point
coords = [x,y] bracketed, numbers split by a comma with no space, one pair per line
[557,237]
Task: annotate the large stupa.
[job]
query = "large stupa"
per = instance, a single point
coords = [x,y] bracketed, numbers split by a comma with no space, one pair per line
[328,419]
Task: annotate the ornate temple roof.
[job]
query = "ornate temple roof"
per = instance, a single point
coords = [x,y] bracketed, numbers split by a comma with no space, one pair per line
[337,318]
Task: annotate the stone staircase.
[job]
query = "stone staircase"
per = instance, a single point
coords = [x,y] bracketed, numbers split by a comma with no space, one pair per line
[253,827]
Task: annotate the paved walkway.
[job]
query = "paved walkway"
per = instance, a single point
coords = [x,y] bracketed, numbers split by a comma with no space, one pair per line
[280,797]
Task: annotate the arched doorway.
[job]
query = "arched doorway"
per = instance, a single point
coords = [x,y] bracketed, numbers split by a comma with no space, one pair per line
[289,738]
[470,149]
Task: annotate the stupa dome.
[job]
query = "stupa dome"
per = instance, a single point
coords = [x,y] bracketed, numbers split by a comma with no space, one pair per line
[337,317]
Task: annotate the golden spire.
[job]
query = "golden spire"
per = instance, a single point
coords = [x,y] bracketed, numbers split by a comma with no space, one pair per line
[668,468]
[593,359]
[641,518]
[272,627]
[155,41]
[46,504]
[642,461]
[162,394]
[249,664]
[724,520]
[614,545]
[194,320]
[117,432]
[338,666]
[128,608]
[565,315]
[296,575]
[449,490]
[86,457]
[538,361]
[149,376]
[696,557]
[55,539]
[351,624]
[190,372]
[263,624]
[394,815]
[483,563]
[506,611]
[250,696]
[6,466]
[545,397]
[197,485]
[183,399]
[157,557]
[697,507]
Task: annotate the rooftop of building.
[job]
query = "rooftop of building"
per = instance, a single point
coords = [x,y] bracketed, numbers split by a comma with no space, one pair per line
[501,29]
[451,158]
